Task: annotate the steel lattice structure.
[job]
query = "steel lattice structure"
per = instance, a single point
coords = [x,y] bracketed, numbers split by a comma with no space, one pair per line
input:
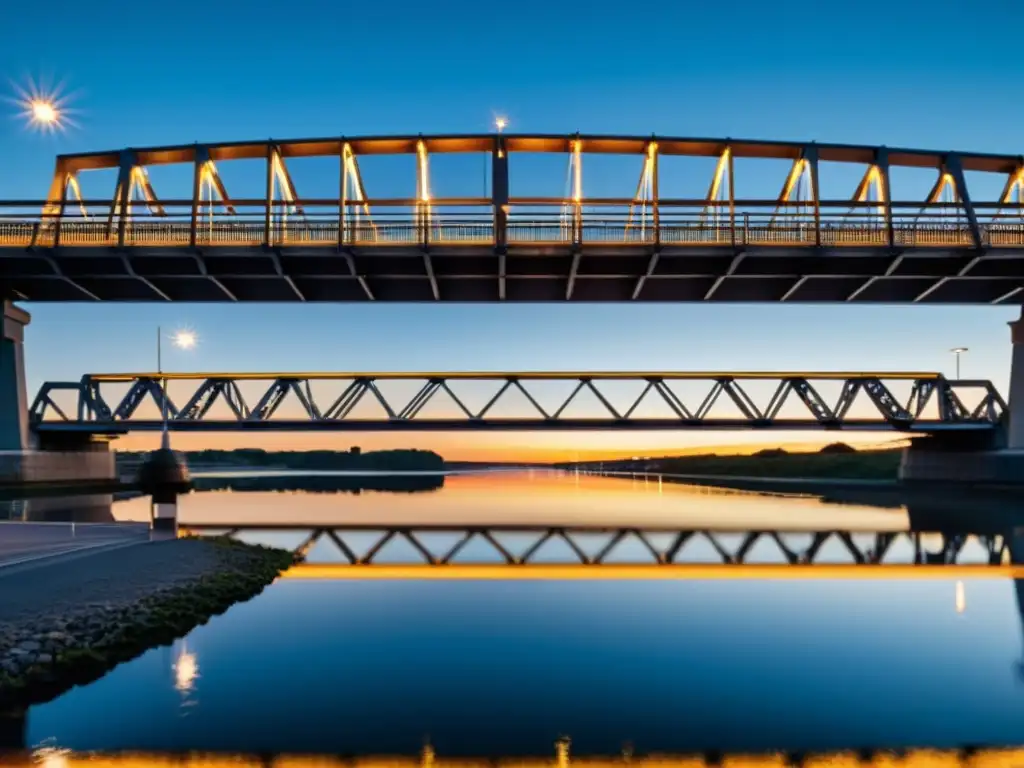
[870,243]
[929,391]
[599,545]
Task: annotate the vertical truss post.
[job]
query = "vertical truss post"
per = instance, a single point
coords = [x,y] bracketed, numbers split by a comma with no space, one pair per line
[199,161]
[499,192]
[268,200]
[577,191]
[422,195]
[499,207]
[954,168]
[882,163]
[126,164]
[655,206]
[810,154]
[66,182]
[342,190]
[732,193]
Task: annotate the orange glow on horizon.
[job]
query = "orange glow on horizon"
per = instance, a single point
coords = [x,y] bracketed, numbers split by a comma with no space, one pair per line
[512,446]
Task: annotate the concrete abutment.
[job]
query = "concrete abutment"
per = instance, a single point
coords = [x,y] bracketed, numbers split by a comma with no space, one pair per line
[996,460]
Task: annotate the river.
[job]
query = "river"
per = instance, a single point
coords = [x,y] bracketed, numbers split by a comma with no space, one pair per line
[345,662]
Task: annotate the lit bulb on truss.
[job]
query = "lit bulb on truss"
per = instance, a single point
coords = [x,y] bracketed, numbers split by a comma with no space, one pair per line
[43,108]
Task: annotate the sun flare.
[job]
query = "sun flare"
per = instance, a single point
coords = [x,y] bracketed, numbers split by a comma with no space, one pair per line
[43,108]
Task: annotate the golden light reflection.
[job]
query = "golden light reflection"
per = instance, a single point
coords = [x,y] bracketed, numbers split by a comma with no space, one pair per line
[961,597]
[623,571]
[990,758]
[186,671]
[51,757]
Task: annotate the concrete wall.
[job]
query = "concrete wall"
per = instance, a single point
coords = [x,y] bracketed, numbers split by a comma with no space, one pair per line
[42,466]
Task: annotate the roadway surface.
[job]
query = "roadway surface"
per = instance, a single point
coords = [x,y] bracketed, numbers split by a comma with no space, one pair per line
[22,543]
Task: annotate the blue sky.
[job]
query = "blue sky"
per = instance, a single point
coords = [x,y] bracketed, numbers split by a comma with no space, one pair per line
[871,72]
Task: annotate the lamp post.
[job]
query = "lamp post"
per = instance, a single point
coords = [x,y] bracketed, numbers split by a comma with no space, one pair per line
[957,351]
[181,340]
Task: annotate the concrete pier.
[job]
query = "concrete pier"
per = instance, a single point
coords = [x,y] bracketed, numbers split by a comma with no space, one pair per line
[14,432]
[954,459]
[164,476]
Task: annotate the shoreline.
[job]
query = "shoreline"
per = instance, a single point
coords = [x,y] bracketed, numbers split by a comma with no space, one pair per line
[48,652]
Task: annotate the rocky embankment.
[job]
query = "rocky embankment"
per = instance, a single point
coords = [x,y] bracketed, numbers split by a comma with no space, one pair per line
[69,623]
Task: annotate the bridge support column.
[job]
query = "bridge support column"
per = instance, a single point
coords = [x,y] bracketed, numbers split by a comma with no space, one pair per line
[954,459]
[1015,422]
[14,432]
[164,476]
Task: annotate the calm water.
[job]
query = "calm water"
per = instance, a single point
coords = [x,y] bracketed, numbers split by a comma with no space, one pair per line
[337,664]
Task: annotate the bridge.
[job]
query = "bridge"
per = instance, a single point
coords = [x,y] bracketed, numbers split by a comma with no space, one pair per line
[825,237]
[849,224]
[930,402]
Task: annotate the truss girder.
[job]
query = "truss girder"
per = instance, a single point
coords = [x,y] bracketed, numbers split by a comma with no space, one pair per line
[604,546]
[800,390]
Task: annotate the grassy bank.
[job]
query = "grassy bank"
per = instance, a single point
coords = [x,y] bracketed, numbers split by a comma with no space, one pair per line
[45,666]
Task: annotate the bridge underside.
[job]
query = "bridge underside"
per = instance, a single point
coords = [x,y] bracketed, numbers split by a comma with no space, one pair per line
[551,273]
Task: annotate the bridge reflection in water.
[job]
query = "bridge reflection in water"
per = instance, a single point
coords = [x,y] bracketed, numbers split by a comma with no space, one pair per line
[531,551]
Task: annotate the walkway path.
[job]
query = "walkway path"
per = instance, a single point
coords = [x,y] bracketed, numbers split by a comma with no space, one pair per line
[62,588]
[21,542]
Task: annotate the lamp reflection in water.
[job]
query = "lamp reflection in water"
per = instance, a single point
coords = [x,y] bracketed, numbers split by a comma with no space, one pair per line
[961,597]
[186,672]
[49,756]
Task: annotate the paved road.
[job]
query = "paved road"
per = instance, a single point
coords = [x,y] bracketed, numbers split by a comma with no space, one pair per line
[20,542]
[86,581]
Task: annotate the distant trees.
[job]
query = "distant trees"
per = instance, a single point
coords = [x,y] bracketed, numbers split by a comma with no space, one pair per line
[355,450]
[838,448]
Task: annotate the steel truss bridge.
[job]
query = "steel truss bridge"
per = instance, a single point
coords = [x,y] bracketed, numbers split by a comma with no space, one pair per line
[934,404]
[875,242]
[530,545]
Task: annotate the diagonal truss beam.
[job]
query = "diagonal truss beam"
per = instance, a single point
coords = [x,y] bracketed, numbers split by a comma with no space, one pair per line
[879,406]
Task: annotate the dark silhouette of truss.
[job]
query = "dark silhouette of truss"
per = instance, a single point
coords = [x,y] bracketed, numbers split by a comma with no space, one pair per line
[934,404]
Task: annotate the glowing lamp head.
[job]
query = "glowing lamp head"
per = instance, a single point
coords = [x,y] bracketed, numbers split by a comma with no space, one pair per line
[45,112]
[43,109]
[184,339]
[500,123]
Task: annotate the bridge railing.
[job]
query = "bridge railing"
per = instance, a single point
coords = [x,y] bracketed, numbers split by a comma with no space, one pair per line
[383,223]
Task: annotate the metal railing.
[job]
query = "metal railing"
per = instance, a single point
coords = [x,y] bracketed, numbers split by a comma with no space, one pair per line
[386,223]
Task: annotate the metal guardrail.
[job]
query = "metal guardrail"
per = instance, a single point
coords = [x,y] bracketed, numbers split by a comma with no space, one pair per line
[836,225]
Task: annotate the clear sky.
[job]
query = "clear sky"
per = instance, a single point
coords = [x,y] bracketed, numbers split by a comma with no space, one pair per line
[893,73]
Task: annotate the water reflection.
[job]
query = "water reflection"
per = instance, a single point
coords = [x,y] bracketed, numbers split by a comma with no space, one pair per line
[919,758]
[322,483]
[856,652]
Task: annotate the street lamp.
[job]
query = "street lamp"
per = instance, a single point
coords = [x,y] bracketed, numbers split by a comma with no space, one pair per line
[182,340]
[957,351]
